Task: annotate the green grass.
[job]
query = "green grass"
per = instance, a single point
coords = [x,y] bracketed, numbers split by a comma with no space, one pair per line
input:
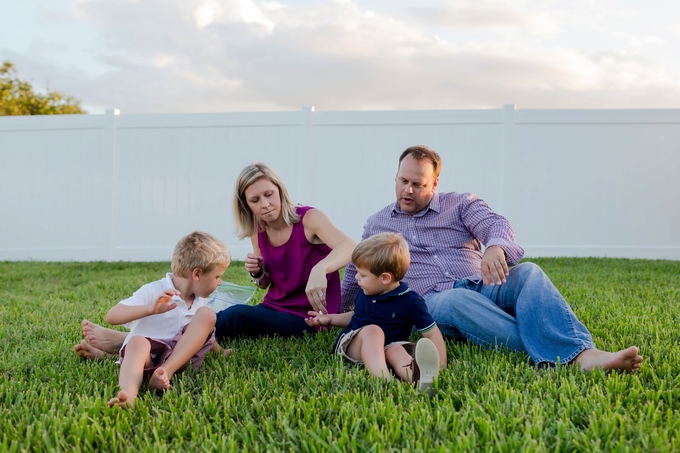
[292,395]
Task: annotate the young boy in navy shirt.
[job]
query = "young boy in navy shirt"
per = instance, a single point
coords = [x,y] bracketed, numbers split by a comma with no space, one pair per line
[377,331]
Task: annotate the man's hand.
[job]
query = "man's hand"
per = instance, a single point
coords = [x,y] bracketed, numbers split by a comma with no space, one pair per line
[494,266]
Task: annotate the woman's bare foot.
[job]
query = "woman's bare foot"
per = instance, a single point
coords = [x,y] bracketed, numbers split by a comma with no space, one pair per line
[122,400]
[107,340]
[160,380]
[86,351]
[627,360]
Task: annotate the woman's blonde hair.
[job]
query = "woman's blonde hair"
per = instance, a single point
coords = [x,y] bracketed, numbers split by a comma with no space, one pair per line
[247,222]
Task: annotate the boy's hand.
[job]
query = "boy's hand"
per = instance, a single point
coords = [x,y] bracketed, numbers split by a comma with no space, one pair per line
[164,302]
[318,319]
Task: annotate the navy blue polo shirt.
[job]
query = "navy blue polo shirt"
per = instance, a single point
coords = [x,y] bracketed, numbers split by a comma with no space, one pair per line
[396,313]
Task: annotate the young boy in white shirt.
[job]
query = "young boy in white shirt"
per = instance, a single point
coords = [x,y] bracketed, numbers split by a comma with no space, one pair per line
[377,331]
[170,324]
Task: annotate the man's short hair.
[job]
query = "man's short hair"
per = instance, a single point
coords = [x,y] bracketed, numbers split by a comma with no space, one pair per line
[421,153]
[199,250]
[384,252]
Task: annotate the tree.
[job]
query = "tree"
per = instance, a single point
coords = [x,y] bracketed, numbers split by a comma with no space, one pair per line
[18,98]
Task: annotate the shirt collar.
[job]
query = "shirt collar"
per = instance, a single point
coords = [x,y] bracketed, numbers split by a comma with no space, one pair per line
[398,291]
[434,205]
[167,284]
[167,281]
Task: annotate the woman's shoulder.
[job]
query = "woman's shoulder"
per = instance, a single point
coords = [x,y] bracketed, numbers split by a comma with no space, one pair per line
[302,210]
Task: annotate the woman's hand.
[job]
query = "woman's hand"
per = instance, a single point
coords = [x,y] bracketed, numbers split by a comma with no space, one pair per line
[316,289]
[254,263]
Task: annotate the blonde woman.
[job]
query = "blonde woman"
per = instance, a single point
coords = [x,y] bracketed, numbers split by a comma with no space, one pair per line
[297,253]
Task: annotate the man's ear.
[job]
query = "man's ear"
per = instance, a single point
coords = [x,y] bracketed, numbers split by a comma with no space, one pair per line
[196,274]
[386,278]
[434,184]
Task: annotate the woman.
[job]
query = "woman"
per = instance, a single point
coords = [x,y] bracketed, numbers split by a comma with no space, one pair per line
[297,253]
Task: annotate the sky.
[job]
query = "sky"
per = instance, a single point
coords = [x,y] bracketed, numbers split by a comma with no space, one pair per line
[170,56]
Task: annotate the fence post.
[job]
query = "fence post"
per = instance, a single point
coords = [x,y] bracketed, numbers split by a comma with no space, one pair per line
[111,147]
[507,158]
[306,158]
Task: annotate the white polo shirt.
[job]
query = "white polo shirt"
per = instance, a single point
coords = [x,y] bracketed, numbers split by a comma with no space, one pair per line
[163,326]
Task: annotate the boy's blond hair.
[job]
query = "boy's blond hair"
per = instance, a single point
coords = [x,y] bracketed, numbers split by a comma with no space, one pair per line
[199,250]
[384,252]
[246,222]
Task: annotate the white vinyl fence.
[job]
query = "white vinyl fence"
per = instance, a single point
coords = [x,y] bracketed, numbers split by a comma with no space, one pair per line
[127,187]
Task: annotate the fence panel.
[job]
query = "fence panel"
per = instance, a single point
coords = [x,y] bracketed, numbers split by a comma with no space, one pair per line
[126,187]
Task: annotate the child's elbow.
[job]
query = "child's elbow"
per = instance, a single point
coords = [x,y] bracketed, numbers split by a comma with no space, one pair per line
[111,317]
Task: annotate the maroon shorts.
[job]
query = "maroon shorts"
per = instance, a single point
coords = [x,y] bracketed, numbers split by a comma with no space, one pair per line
[161,350]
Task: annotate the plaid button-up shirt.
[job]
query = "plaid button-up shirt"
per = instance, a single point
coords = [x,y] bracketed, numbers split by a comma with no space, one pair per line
[445,241]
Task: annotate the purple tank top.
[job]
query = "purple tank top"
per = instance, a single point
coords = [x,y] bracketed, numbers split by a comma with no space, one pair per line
[289,265]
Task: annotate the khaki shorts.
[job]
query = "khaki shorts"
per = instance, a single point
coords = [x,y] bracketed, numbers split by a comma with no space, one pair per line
[346,339]
[161,350]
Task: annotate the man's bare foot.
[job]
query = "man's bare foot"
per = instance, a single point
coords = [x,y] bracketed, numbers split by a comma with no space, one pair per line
[160,380]
[86,351]
[122,400]
[102,338]
[627,360]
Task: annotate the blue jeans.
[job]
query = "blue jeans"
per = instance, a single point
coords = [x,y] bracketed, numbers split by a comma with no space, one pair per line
[258,321]
[526,313]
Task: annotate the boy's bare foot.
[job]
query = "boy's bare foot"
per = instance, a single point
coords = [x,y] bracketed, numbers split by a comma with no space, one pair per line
[86,351]
[627,360]
[122,400]
[219,350]
[99,338]
[160,380]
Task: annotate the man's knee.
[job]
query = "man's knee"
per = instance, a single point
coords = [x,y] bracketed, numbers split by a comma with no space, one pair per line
[527,269]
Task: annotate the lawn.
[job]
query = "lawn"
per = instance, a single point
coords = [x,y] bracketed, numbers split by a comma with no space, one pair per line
[292,395]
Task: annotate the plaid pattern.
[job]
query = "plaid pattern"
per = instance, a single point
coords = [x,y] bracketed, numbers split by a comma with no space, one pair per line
[445,241]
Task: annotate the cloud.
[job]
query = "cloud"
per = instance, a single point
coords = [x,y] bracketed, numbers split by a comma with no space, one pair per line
[488,16]
[246,55]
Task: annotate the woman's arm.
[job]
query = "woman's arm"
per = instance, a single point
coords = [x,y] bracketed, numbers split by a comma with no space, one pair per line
[320,230]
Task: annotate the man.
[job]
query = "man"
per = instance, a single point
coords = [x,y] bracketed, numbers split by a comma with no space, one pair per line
[476,295]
